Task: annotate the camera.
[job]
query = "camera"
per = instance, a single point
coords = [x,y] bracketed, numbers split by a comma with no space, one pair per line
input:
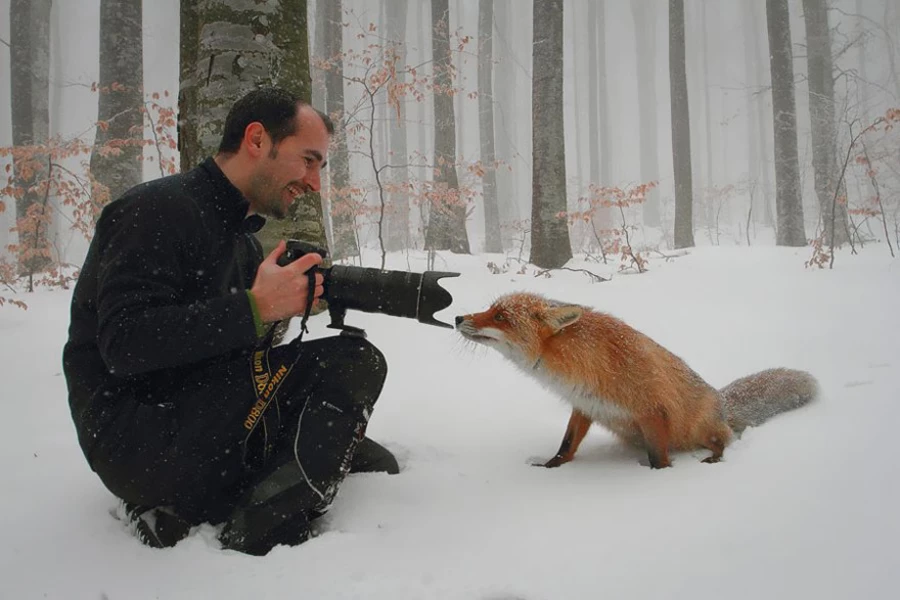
[395,293]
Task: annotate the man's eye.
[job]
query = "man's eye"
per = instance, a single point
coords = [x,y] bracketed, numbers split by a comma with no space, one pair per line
[308,161]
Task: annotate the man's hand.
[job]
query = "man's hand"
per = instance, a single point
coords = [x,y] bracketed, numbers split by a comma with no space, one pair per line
[281,292]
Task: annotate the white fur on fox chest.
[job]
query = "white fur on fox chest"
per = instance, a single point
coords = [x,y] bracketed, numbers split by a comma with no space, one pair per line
[598,409]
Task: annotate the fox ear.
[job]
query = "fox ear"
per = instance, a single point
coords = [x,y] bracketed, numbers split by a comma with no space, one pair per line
[562,316]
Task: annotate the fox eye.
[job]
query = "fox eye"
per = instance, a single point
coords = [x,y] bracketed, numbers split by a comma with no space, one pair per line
[499,317]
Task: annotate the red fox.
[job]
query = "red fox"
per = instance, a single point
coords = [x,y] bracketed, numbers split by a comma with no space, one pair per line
[618,377]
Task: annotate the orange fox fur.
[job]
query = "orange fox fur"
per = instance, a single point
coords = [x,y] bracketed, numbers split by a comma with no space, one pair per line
[618,377]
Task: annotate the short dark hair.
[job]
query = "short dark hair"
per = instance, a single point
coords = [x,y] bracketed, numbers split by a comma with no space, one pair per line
[275,108]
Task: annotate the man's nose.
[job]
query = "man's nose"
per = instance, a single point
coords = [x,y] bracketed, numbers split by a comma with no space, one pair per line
[313,180]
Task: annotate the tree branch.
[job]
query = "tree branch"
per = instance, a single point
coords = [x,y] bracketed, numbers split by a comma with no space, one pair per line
[593,276]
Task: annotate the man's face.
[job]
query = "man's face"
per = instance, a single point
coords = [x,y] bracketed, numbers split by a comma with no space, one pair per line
[290,168]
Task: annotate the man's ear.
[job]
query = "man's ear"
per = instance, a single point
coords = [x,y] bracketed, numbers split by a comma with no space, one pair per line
[256,138]
[560,317]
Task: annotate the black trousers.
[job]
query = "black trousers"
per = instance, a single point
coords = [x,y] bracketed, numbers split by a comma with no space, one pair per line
[204,447]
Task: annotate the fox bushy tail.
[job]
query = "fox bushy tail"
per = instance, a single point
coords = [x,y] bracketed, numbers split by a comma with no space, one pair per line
[754,399]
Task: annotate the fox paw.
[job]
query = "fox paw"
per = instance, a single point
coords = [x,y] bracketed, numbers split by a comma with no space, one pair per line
[553,462]
[711,459]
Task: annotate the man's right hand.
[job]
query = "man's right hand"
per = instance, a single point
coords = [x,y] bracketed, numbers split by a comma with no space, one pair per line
[282,292]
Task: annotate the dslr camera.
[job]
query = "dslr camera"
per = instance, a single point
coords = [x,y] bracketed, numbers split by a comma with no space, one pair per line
[395,293]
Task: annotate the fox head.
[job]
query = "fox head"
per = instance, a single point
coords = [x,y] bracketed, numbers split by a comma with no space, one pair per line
[517,324]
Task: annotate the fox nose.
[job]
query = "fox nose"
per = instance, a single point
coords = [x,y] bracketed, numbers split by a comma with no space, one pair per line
[459,320]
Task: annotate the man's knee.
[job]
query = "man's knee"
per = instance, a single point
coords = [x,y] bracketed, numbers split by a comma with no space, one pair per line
[352,362]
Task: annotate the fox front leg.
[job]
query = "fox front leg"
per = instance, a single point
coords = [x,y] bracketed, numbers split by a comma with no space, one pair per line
[575,431]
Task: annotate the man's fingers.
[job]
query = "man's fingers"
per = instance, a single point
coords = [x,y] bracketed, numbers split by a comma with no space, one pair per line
[305,262]
[276,253]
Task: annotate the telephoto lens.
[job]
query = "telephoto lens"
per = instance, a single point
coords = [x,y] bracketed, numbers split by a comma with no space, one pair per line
[395,293]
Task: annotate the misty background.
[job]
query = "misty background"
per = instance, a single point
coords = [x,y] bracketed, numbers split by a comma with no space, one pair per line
[728,80]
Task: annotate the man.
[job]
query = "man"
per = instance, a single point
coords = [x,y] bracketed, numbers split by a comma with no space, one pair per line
[179,407]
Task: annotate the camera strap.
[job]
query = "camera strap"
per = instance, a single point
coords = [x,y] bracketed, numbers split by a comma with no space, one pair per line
[268,379]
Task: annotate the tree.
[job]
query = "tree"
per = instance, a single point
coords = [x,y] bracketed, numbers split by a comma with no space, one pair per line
[550,247]
[505,123]
[120,113]
[447,216]
[681,128]
[788,205]
[29,57]
[762,76]
[189,78]
[398,218]
[343,227]
[644,14]
[492,240]
[822,119]
[229,49]
[598,105]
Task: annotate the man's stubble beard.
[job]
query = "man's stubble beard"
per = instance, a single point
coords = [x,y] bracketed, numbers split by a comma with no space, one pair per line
[268,201]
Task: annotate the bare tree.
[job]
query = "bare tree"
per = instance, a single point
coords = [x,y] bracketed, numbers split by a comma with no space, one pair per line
[644,14]
[492,241]
[398,221]
[681,128]
[505,82]
[761,76]
[121,99]
[822,119]
[598,106]
[550,247]
[447,218]
[788,205]
[189,78]
[29,57]
[344,228]
[707,117]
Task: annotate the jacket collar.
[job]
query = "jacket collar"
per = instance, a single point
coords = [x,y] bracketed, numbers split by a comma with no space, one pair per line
[229,202]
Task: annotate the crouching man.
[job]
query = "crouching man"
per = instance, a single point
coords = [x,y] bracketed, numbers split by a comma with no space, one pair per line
[180,410]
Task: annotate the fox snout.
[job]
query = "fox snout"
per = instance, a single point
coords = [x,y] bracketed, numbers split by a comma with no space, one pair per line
[459,320]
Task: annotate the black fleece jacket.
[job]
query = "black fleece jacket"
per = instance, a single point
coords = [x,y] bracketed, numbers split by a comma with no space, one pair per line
[162,291]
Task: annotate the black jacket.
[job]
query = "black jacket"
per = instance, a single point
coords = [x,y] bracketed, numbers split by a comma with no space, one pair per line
[162,290]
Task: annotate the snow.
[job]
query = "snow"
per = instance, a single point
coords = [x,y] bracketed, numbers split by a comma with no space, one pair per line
[803,507]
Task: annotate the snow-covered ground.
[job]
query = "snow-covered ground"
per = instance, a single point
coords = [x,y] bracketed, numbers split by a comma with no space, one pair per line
[802,507]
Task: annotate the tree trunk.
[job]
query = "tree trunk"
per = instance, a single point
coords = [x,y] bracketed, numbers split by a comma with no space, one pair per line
[492,241]
[753,160]
[550,246]
[241,47]
[826,169]
[644,14]
[447,217]
[708,212]
[505,71]
[762,131]
[29,56]
[190,77]
[318,53]
[788,205]
[598,107]
[398,237]
[121,99]
[681,128]
[343,220]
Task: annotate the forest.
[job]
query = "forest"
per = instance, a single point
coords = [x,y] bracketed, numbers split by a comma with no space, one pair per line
[612,131]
